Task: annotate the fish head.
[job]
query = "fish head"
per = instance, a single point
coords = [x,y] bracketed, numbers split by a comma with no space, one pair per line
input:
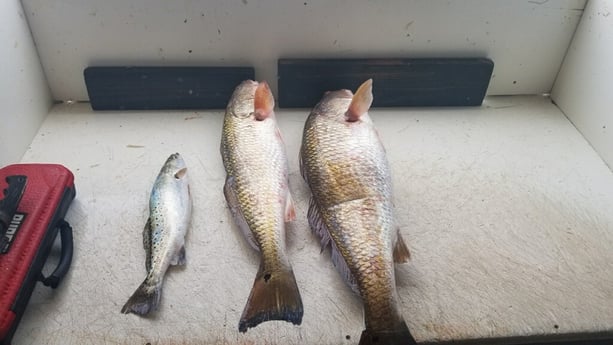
[344,106]
[334,104]
[175,166]
[252,100]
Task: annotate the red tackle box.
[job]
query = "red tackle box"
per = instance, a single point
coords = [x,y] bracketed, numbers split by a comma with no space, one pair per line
[33,203]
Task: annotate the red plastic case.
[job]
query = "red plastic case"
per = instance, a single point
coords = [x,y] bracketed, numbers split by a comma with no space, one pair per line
[39,216]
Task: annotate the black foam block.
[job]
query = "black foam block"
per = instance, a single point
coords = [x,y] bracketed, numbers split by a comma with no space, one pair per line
[396,82]
[151,88]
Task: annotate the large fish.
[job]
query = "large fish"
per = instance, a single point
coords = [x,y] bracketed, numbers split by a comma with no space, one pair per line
[170,210]
[343,161]
[258,196]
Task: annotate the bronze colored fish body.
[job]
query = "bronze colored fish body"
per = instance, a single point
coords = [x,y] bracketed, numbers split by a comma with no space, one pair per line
[257,193]
[170,208]
[344,163]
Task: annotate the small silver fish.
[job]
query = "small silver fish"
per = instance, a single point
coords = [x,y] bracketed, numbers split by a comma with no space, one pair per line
[170,209]
[343,161]
[257,193]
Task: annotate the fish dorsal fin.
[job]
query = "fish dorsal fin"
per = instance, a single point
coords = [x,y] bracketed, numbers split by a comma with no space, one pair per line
[263,102]
[361,102]
[181,173]
[147,244]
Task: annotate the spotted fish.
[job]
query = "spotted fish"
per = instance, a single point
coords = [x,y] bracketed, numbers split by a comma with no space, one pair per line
[170,210]
[343,162]
[257,193]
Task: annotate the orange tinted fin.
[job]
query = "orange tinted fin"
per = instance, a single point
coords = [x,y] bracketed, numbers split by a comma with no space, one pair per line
[401,251]
[274,296]
[290,210]
[361,102]
[263,102]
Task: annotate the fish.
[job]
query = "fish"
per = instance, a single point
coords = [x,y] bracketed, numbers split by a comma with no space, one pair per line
[257,192]
[258,196]
[344,164]
[170,208]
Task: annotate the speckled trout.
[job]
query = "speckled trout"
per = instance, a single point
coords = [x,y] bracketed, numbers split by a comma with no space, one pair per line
[170,210]
[343,161]
[258,196]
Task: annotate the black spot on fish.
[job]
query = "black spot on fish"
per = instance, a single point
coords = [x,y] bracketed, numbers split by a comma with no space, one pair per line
[267,277]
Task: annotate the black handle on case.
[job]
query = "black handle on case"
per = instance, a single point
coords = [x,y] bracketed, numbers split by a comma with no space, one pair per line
[65,258]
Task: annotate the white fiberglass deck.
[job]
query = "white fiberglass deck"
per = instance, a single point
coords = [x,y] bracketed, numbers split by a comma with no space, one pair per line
[506,208]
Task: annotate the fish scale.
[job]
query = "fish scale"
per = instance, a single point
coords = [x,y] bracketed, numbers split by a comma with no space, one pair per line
[254,193]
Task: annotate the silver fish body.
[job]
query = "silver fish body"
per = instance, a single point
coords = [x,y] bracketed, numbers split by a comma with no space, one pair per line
[170,209]
[344,163]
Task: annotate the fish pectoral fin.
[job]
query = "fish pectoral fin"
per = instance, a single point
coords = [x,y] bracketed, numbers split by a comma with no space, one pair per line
[237,214]
[341,266]
[301,164]
[263,102]
[361,102]
[147,243]
[320,229]
[290,209]
[181,173]
[317,224]
[179,259]
[274,296]
[401,252]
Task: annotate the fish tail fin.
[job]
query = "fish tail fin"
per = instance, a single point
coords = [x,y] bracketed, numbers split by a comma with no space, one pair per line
[144,300]
[274,296]
[398,336]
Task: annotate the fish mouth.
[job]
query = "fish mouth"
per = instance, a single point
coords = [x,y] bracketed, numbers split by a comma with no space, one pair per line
[343,93]
[175,159]
[174,162]
[241,102]
[249,82]
[246,89]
